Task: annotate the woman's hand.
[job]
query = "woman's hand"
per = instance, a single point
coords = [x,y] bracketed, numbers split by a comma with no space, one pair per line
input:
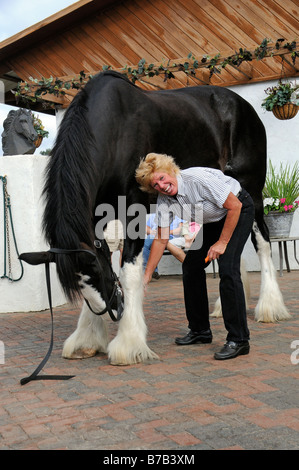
[216,250]
[233,207]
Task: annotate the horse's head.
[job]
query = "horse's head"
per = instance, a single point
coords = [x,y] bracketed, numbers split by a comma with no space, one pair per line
[23,124]
[92,276]
[19,135]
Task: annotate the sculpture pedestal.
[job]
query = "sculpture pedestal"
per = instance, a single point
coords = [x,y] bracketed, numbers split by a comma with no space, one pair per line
[25,178]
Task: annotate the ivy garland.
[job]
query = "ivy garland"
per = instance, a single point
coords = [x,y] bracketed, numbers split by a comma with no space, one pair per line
[38,88]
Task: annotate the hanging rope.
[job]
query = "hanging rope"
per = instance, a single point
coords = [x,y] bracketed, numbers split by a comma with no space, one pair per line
[6,236]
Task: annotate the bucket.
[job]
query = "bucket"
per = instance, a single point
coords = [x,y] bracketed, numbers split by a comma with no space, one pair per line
[279,224]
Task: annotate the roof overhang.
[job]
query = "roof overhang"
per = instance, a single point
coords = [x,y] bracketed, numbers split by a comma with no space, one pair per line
[244,74]
[49,26]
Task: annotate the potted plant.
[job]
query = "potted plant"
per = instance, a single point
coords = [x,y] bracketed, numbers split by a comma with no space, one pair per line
[40,130]
[282,100]
[281,199]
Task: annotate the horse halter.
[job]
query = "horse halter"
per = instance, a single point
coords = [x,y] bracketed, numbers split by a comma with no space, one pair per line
[116,291]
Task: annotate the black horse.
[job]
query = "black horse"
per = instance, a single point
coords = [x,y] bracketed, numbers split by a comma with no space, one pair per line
[109,126]
[19,135]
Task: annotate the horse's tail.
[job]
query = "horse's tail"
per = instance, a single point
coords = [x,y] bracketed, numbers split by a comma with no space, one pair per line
[68,181]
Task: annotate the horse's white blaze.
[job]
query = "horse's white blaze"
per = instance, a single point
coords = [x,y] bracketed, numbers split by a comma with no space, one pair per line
[94,297]
[270,307]
[91,334]
[129,346]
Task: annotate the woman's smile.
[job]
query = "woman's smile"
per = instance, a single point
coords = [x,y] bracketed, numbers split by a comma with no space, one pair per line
[165,183]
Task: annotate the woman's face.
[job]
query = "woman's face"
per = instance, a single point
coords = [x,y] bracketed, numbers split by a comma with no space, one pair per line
[165,183]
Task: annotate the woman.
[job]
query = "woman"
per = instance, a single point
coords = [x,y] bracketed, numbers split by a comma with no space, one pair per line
[227,214]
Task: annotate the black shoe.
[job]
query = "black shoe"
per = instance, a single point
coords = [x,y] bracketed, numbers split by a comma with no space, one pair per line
[232,349]
[155,275]
[195,337]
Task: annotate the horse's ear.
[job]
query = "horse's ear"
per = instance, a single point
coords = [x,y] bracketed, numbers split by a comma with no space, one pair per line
[38,257]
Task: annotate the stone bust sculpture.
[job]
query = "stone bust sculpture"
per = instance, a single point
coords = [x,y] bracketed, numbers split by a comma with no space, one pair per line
[19,134]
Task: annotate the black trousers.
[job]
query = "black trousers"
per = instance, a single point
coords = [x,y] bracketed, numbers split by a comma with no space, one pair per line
[231,287]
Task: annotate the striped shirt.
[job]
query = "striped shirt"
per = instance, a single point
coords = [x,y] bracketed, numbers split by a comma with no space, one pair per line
[200,197]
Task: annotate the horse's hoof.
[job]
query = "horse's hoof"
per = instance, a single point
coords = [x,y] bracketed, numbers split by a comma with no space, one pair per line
[124,362]
[134,359]
[120,364]
[82,354]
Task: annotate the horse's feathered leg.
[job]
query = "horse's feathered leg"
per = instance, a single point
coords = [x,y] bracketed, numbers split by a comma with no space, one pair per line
[129,346]
[89,338]
[270,307]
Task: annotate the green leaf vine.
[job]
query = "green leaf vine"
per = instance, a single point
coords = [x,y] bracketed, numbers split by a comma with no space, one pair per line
[38,88]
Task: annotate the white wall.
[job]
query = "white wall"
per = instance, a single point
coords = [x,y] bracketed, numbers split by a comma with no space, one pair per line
[24,184]
[282,146]
[282,136]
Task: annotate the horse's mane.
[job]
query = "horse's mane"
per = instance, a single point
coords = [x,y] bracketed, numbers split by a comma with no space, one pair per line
[8,121]
[6,126]
[69,175]
[70,172]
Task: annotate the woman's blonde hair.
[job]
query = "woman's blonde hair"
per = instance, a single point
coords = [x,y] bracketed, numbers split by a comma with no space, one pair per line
[154,163]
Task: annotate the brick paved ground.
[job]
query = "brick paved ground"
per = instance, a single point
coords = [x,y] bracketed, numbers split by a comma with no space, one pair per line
[185,401]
